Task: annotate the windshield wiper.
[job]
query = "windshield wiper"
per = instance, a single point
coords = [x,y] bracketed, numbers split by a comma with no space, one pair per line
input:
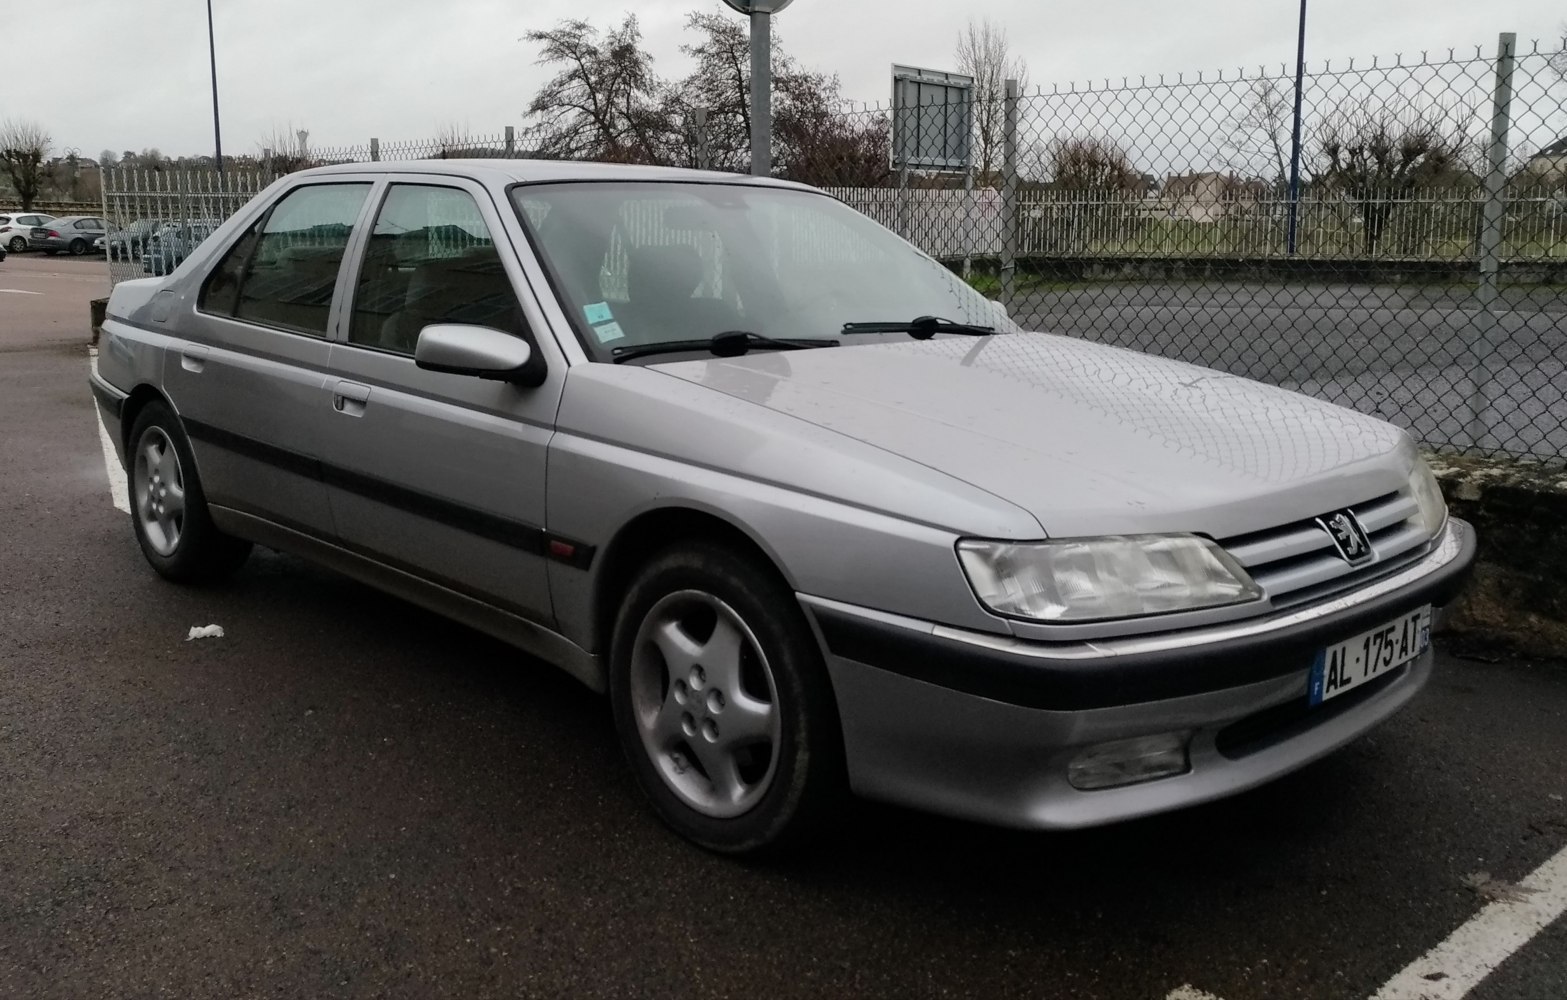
[923,328]
[729,344]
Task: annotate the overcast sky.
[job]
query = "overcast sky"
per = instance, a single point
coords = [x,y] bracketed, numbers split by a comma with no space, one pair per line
[401,69]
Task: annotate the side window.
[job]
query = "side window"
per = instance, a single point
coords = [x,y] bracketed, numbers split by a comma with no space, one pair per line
[220,292]
[430,259]
[288,279]
[87,224]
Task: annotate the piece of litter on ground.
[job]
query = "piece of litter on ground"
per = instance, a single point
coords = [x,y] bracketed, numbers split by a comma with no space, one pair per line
[1494,890]
[205,632]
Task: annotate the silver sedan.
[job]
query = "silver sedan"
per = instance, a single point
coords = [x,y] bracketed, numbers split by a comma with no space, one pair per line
[816,516]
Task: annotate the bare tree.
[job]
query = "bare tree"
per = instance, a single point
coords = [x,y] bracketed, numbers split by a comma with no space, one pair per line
[721,83]
[816,142]
[1376,156]
[604,101]
[984,53]
[1262,129]
[1091,163]
[23,147]
[1559,60]
[108,158]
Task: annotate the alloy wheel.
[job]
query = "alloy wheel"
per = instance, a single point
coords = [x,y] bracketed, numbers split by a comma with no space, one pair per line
[706,703]
[159,491]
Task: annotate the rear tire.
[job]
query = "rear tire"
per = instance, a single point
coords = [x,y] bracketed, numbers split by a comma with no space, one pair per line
[168,508]
[17,244]
[78,247]
[722,702]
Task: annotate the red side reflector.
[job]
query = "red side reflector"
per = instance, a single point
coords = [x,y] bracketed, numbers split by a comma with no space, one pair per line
[562,550]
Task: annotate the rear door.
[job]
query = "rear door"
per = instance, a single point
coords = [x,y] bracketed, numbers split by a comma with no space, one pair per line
[442,475]
[250,381]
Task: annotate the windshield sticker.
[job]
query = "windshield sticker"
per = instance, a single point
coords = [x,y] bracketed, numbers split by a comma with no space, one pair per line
[608,332]
[598,312]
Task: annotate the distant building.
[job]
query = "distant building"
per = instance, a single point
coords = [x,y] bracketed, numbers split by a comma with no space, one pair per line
[1548,167]
[1206,196]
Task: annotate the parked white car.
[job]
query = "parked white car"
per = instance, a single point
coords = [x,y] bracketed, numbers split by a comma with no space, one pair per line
[14,228]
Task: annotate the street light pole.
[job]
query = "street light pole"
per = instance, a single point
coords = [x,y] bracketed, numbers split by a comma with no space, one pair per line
[212,54]
[761,93]
[1300,81]
[761,12]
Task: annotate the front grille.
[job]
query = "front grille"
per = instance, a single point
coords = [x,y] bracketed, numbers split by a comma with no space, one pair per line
[1295,563]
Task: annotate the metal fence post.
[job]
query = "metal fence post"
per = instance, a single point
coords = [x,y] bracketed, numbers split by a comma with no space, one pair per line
[1009,183]
[375,150]
[968,221]
[704,147]
[511,140]
[1492,219]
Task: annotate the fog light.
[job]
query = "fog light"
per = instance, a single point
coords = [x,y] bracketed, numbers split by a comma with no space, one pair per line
[1127,762]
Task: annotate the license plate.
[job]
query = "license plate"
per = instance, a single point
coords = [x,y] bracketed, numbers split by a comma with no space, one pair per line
[1346,665]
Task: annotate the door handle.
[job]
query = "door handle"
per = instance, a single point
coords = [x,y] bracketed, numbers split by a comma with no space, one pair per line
[193,357]
[350,398]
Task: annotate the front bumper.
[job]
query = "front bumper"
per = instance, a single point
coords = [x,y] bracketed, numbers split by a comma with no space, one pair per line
[984,726]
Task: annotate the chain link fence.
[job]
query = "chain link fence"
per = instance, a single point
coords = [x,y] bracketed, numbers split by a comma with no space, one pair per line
[1417,271]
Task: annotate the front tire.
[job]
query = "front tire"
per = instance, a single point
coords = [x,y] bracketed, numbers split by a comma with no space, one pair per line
[168,508]
[722,702]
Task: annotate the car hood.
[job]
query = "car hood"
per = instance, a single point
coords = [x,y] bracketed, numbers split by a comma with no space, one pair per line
[1090,439]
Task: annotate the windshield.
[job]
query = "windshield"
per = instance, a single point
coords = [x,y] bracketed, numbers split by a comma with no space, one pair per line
[649,263]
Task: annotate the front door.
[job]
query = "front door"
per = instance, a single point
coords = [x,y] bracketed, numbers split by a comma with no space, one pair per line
[441,475]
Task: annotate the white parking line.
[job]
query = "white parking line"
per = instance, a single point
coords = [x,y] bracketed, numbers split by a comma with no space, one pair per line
[17,291]
[119,491]
[1457,965]
[1472,952]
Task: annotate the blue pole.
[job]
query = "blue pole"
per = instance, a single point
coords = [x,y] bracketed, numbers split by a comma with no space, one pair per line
[212,55]
[1300,80]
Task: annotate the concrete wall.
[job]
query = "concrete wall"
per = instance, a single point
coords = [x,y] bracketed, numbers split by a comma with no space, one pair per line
[1519,591]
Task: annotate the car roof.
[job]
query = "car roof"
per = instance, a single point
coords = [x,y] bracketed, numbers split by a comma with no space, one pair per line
[73,218]
[504,171]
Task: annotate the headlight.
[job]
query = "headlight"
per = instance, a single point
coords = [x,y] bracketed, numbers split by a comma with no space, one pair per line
[1091,579]
[1428,494]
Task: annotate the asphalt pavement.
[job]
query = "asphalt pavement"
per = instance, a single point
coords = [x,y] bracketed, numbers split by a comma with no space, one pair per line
[1423,356]
[347,796]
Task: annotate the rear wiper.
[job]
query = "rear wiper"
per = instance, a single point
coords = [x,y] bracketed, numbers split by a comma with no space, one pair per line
[923,328]
[729,344]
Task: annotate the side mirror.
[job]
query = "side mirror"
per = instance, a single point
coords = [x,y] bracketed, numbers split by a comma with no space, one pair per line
[459,349]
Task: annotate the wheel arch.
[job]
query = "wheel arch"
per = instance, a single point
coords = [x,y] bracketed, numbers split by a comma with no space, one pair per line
[137,401]
[650,533]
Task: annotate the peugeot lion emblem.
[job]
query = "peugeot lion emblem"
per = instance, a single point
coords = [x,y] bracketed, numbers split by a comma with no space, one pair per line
[1348,536]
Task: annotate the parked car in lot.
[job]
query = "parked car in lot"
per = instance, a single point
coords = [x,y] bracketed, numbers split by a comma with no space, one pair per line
[127,243]
[73,234]
[815,515]
[167,248]
[15,228]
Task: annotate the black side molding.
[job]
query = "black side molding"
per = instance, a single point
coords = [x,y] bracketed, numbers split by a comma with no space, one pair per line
[516,534]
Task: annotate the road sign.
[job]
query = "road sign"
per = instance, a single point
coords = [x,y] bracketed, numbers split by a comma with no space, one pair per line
[932,119]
